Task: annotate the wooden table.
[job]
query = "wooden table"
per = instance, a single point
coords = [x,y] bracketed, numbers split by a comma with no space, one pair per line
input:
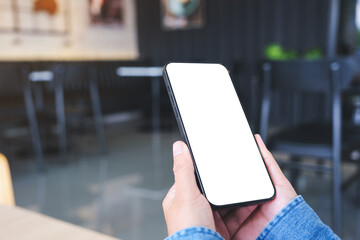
[19,223]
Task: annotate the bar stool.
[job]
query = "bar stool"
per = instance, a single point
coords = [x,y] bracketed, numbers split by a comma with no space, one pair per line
[55,74]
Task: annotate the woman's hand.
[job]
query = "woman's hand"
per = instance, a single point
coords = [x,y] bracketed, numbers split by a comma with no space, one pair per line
[248,222]
[184,205]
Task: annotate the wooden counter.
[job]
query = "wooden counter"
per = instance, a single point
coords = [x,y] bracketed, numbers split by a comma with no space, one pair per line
[19,223]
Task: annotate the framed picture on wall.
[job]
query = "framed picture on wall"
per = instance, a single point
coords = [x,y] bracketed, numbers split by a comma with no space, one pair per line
[182,14]
[108,12]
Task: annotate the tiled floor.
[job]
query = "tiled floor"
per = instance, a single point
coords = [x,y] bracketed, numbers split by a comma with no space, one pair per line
[121,194]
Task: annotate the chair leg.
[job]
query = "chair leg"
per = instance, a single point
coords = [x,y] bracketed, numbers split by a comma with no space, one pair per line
[336,145]
[96,107]
[61,121]
[337,203]
[34,129]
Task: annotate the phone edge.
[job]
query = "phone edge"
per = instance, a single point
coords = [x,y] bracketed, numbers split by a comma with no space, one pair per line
[181,126]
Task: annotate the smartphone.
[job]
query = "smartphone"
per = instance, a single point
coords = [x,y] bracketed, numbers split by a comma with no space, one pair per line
[228,164]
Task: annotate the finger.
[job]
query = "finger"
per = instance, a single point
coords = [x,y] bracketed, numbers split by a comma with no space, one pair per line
[220,226]
[171,192]
[275,172]
[235,218]
[252,226]
[184,170]
[169,197]
[223,212]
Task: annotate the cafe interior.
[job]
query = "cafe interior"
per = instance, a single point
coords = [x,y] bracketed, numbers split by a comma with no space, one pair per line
[87,128]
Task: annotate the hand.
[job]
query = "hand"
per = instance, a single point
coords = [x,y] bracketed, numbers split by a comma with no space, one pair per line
[184,206]
[248,222]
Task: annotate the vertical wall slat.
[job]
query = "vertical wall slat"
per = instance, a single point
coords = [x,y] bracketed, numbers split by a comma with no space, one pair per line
[235,30]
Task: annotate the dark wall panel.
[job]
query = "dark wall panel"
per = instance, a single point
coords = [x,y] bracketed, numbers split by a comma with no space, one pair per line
[236,31]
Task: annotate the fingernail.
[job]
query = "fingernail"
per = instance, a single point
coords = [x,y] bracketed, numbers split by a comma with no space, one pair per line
[178,148]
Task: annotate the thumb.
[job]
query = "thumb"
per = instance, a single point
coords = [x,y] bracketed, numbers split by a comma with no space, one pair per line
[183,169]
[275,172]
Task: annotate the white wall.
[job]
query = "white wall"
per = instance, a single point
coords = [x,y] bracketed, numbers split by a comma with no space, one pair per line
[84,42]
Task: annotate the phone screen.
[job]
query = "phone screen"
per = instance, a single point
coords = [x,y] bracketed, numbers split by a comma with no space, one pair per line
[229,164]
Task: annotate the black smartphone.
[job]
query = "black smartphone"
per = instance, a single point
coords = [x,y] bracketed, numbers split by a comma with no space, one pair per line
[228,164]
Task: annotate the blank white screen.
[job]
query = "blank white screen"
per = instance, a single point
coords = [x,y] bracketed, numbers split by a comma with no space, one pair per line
[228,160]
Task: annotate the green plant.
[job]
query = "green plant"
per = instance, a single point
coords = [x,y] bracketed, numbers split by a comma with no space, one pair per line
[313,54]
[275,51]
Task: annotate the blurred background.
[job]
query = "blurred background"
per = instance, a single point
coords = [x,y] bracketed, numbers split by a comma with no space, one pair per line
[87,126]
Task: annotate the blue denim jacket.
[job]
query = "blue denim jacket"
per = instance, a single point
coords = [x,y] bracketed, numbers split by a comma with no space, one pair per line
[296,220]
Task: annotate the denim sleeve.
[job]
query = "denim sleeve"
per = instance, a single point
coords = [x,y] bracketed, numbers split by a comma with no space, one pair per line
[297,220]
[195,233]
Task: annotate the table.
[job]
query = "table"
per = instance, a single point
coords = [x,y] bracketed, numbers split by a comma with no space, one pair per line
[155,74]
[19,223]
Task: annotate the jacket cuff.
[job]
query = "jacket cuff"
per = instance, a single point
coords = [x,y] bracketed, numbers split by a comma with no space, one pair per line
[195,233]
[296,220]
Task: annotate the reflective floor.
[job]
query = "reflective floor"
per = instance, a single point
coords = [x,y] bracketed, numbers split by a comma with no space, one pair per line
[121,194]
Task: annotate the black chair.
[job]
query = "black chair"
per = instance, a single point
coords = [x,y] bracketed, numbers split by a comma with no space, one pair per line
[322,139]
[33,78]
[60,81]
[81,89]
[126,92]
